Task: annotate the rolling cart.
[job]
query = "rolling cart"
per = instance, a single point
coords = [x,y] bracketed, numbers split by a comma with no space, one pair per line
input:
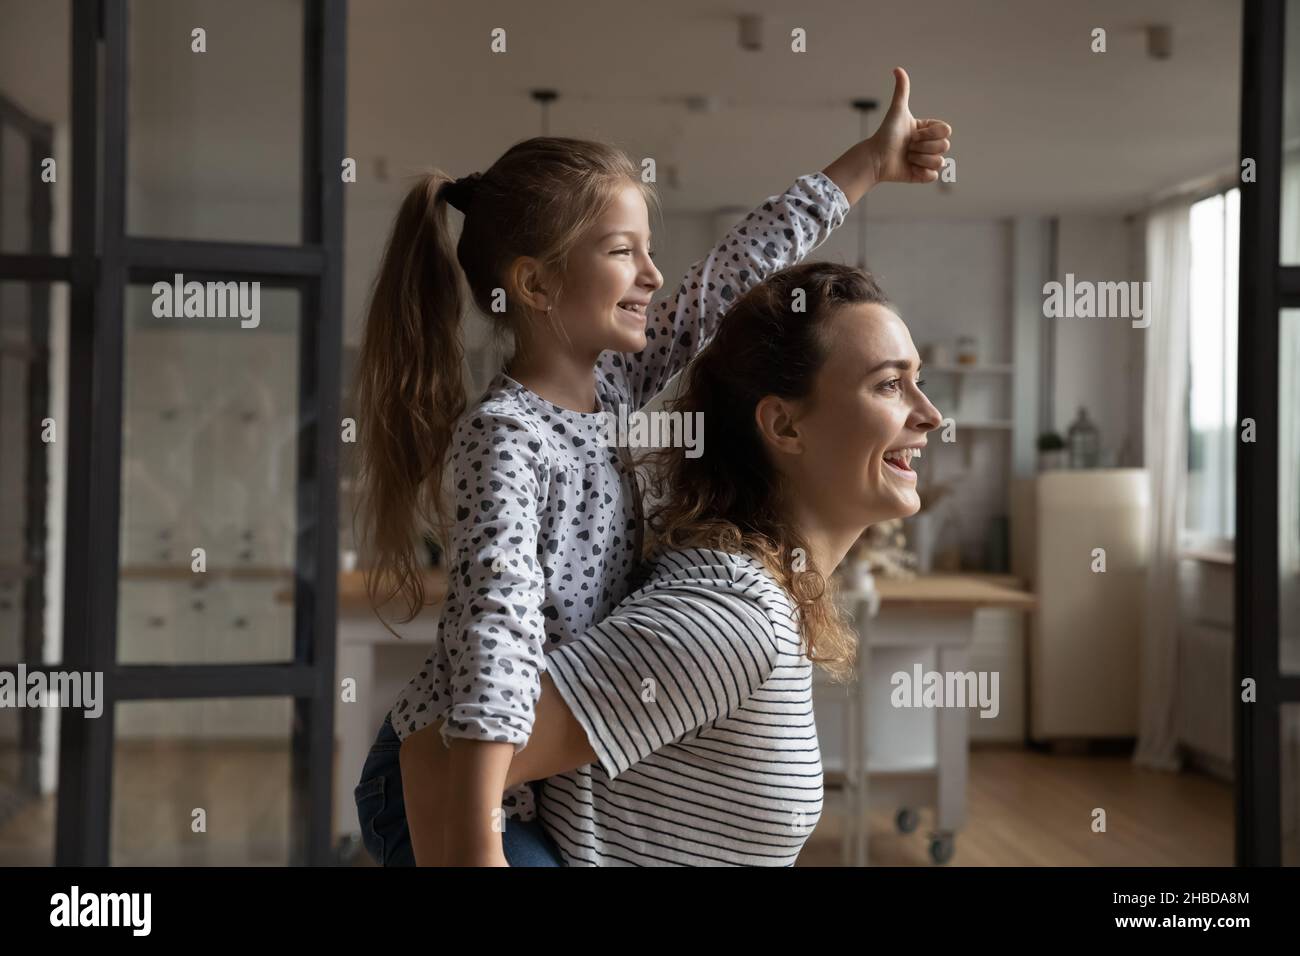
[911,757]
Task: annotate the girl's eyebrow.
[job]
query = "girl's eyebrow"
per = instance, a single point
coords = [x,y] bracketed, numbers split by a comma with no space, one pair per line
[617,232]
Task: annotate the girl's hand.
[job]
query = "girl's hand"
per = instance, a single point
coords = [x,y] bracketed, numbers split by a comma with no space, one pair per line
[905,149]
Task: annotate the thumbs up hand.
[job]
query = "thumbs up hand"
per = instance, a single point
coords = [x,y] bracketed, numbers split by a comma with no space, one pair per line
[905,149]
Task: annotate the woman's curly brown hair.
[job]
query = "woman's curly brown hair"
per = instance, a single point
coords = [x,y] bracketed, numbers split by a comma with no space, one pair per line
[731,498]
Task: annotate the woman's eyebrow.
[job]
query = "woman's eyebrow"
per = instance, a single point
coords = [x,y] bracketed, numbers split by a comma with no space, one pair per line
[901,364]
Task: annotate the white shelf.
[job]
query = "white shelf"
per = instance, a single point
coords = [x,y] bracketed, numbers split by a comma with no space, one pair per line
[986,425]
[959,369]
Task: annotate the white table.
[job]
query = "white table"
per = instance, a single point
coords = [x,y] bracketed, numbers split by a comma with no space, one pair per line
[912,757]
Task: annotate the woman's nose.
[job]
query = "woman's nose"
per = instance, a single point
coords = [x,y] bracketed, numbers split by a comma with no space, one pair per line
[925,416]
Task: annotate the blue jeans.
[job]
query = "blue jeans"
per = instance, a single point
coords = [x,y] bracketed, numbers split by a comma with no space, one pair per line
[381,811]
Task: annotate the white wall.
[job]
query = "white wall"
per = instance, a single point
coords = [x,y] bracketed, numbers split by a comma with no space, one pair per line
[1098,362]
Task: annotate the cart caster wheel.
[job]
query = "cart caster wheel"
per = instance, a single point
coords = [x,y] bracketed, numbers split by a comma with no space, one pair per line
[907,820]
[942,847]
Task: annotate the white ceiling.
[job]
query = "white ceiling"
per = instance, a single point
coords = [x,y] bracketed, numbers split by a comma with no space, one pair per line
[1042,124]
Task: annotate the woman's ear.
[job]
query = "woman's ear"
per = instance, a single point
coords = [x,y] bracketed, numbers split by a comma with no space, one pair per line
[777,421]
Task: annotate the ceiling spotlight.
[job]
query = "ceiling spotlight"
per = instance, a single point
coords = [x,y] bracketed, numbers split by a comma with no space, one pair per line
[1160,41]
[703,103]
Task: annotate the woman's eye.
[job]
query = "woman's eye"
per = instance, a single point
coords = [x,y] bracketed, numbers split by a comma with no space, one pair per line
[893,383]
[920,383]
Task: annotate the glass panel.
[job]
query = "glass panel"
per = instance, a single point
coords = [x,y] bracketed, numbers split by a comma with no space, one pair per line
[33,376]
[33,400]
[1212,370]
[1290,212]
[1288,491]
[214,138]
[34,126]
[209,461]
[228,758]
[28,786]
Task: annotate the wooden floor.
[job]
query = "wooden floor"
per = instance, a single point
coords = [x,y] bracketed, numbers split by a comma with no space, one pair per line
[1025,809]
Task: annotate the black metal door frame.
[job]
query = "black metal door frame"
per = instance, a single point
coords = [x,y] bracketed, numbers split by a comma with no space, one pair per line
[103,260]
[1265,288]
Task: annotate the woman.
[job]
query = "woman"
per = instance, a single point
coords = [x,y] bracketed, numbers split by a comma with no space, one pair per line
[679,730]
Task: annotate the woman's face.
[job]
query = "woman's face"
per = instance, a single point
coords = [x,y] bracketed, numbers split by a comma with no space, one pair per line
[610,279]
[864,424]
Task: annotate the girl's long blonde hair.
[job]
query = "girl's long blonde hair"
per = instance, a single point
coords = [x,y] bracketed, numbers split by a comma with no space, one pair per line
[537,200]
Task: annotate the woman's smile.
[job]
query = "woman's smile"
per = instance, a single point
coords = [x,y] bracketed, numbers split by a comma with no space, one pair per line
[899,461]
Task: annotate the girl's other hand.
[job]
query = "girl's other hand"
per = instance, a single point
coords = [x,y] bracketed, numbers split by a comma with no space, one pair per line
[905,149]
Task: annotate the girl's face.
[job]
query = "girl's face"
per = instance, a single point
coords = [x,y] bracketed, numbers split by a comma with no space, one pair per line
[866,420]
[610,280]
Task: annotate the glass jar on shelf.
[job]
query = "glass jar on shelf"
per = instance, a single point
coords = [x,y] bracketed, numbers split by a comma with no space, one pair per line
[1084,442]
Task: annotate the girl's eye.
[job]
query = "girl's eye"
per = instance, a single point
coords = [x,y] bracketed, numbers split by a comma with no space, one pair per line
[920,383]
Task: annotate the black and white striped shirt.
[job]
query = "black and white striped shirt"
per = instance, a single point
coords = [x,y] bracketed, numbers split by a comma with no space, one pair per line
[697,698]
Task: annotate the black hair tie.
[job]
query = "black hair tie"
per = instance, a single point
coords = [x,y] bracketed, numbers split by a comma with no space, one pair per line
[460,193]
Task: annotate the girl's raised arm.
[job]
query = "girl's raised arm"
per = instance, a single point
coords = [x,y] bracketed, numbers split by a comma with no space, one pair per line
[780,232]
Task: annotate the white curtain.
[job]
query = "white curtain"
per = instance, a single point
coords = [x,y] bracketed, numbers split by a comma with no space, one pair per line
[1165,454]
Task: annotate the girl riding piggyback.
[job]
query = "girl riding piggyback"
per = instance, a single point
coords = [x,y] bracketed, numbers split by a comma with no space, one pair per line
[537,514]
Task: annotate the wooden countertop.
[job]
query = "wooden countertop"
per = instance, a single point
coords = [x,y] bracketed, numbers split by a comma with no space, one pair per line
[952,592]
[352,591]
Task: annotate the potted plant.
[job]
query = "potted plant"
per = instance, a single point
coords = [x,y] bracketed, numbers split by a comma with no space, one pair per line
[1051,451]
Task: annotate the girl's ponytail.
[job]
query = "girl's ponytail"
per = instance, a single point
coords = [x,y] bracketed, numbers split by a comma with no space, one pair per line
[410,392]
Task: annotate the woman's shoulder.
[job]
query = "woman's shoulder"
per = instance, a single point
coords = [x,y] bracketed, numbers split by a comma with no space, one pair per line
[738,573]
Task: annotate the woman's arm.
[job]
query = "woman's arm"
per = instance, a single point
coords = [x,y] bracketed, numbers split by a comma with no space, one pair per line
[451,832]
[558,744]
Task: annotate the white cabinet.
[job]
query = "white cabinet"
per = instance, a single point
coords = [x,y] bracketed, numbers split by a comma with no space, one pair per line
[1087,535]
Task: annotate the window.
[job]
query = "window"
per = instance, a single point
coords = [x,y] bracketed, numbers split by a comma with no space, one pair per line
[1212,371]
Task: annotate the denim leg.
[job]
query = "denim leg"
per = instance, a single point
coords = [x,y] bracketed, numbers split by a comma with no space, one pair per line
[381,810]
[528,844]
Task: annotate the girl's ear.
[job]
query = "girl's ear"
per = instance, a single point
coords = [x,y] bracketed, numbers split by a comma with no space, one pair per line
[528,284]
[777,421]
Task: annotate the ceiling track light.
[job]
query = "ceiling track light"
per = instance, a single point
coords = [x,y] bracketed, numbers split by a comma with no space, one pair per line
[1160,41]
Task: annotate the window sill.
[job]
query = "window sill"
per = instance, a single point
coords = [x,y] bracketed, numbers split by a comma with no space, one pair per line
[1208,554]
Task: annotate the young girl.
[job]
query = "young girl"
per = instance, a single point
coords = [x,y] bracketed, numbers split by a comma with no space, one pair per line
[544,532]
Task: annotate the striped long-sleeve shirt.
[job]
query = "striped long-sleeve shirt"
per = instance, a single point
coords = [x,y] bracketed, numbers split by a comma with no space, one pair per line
[696,696]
